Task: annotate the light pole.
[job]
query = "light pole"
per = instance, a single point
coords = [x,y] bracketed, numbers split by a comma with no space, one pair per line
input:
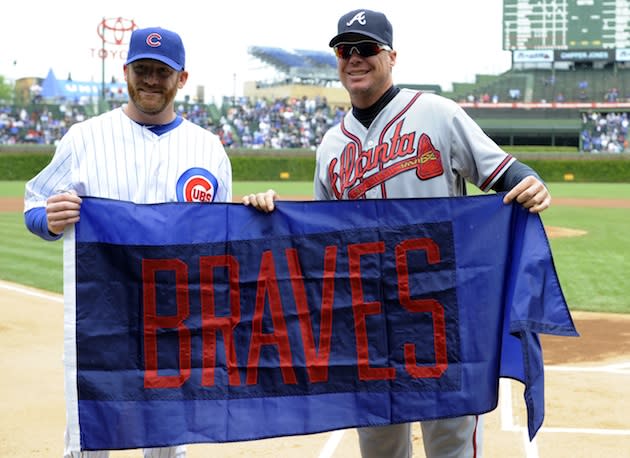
[101,105]
[234,90]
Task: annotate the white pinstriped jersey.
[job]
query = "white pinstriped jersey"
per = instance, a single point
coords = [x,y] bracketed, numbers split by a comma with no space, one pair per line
[419,145]
[111,156]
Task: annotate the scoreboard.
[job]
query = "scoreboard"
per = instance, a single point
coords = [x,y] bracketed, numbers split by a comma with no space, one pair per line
[566,24]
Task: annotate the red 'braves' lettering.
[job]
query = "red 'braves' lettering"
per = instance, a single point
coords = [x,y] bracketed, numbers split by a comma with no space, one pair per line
[354,165]
[268,294]
[360,308]
[153,322]
[316,364]
[422,306]
[210,323]
[268,283]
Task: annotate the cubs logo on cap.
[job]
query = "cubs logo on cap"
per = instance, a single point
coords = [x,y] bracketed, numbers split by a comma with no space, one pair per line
[196,185]
[361,24]
[158,44]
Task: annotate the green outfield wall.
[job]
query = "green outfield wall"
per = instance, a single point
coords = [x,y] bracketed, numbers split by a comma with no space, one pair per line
[20,163]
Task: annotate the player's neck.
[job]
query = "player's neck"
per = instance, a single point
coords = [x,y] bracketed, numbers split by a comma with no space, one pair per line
[366,115]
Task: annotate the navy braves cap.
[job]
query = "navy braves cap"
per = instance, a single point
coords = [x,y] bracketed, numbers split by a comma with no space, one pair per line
[365,23]
[159,44]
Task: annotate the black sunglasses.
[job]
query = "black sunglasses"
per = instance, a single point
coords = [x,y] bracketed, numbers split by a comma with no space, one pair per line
[362,48]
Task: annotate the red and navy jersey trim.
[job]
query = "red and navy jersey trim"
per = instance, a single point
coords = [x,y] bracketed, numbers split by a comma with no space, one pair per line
[502,166]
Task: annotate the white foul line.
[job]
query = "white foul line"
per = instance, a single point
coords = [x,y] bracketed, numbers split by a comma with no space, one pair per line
[620,368]
[594,431]
[507,423]
[505,396]
[31,292]
[331,444]
[531,449]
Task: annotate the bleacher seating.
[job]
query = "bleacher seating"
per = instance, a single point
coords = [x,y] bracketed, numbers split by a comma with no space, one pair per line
[278,57]
[538,85]
[297,66]
[322,58]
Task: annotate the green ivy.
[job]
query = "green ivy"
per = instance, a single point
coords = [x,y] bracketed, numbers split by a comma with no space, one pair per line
[300,166]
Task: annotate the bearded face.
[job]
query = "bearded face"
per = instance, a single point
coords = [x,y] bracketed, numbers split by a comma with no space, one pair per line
[152,85]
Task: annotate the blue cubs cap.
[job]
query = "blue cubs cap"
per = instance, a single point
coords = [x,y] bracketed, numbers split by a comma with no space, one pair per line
[359,24]
[159,44]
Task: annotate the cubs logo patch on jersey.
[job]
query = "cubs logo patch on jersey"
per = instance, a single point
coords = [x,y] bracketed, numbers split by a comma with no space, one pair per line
[196,185]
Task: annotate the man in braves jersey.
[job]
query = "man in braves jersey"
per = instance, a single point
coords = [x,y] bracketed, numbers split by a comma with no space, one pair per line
[142,152]
[398,143]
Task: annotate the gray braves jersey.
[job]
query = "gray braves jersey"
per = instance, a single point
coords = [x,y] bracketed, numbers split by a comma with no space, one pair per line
[419,145]
[111,156]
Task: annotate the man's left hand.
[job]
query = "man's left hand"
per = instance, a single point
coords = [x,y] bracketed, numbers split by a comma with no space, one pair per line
[531,193]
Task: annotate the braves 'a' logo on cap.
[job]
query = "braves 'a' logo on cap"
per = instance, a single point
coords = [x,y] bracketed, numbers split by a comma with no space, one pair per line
[359,17]
[196,185]
[154,40]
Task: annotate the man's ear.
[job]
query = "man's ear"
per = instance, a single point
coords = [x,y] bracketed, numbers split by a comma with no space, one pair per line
[183,77]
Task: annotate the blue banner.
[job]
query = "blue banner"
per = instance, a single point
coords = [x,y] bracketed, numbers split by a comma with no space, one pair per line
[199,323]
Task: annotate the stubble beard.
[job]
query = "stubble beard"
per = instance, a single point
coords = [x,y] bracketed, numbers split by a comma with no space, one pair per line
[152,105]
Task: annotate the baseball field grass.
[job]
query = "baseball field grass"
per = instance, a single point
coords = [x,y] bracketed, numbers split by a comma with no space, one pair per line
[593,268]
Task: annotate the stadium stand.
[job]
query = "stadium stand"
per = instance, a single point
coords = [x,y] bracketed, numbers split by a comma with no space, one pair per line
[546,85]
[296,66]
[604,132]
[281,123]
[319,58]
[281,58]
[522,106]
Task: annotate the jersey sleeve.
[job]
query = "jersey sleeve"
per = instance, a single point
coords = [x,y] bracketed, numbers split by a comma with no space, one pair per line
[55,177]
[321,186]
[225,178]
[476,157]
[222,169]
[319,189]
[514,175]
[36,221]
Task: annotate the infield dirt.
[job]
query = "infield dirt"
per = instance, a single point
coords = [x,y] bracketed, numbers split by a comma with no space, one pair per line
[586,411]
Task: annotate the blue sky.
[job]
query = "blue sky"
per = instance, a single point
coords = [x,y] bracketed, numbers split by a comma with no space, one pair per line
[438,42]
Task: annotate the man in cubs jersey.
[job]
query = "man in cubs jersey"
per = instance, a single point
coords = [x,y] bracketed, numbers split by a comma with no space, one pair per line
[401,143]
[142,152]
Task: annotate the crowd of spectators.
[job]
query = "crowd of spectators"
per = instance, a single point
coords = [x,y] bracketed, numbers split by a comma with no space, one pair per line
[269,124]
[41,125]
[281,123]
[246,123]
[605,132]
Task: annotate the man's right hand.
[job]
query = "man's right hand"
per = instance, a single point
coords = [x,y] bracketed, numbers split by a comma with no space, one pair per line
[262,201]
[62,209]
